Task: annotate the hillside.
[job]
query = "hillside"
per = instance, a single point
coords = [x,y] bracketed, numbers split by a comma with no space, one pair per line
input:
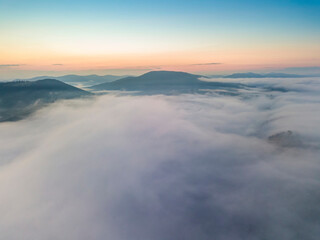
[161,81]
[85,81]
[264,75]
[20,98]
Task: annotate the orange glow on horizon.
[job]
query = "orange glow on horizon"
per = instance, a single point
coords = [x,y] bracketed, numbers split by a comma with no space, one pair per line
[199,60]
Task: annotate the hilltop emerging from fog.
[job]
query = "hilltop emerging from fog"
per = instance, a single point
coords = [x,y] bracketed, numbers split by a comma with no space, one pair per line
[20,98]
[163,81]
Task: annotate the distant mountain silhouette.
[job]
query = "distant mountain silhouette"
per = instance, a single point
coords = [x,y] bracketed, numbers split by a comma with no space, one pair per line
[283,75]
[86,81]
[244,75]
[266,75]
[20,98]
[216,76]
[164,81]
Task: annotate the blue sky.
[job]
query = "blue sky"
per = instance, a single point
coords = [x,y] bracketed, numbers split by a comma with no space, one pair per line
[70,29]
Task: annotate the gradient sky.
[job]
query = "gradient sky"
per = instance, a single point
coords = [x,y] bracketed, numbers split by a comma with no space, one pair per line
[121,37]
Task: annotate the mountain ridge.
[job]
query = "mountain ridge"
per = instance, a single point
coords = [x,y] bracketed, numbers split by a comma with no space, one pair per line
[264,75]
[19,99]
[163,81]
[86,80]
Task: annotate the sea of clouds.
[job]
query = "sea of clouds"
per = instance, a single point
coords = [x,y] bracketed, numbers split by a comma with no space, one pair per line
[192,166]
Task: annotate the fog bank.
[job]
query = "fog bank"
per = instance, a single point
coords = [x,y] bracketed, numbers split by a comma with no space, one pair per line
[164,167]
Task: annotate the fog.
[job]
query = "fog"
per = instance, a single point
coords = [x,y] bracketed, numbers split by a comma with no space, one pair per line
[160,167]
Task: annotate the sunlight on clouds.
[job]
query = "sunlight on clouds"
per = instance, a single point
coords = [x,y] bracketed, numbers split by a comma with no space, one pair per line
[163,167]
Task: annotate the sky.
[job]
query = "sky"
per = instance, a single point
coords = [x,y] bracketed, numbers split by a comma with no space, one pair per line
[131,37]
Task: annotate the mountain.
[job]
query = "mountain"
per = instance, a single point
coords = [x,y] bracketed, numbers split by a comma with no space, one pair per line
[266,75]
[244,75]
[76,80]
[283,75]
[164,81]
[216,76]
[20,98]
[313,71]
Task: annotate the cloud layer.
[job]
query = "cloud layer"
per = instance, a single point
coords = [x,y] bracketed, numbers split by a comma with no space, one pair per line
[10,65]
[162,168]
